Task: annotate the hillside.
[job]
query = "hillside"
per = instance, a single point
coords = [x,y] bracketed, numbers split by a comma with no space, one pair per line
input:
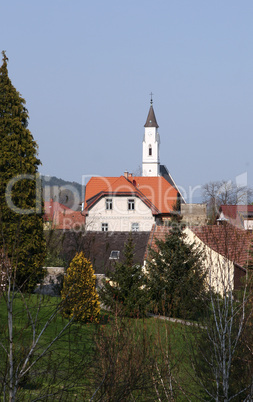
[66,192]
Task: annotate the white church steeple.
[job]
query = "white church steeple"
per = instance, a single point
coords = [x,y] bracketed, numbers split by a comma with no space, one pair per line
[150,147]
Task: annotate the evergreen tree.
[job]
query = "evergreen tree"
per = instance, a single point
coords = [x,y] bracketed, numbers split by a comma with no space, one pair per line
[79,295]
[124,290]
[175,276]
[21,219]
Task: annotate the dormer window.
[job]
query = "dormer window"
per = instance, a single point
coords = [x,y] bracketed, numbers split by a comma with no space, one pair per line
[150,150]
[114,255]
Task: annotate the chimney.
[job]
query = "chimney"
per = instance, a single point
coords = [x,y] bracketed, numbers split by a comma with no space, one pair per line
[126,174]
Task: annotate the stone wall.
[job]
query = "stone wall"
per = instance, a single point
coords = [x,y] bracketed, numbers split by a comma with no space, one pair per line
[52,283]
[194,214]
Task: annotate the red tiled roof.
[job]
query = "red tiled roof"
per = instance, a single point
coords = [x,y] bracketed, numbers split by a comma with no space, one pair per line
[62,217]
[154,191]
[159,191]
[51,207]
[74,220]
[231,211]
[236,213]
[119,186]
[97,184]
[157,233]
[227,240]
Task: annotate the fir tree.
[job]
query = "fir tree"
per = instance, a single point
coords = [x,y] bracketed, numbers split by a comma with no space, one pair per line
[124,290]
[175,276]
[21,220]
[79,295]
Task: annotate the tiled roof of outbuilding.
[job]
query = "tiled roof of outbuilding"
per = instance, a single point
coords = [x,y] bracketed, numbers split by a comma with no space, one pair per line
[236,213]
[62,217]
[232,210]
[227,240]
[97,246]
[157,233]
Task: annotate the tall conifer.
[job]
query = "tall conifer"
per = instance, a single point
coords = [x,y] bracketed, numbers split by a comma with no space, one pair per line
[124,291]
[176,276]
[21,222]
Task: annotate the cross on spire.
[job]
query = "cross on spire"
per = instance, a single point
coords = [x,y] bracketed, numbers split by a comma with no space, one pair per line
[151,100]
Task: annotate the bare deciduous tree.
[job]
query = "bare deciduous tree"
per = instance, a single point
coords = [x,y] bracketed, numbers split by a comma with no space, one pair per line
[217,193]
[122,367]
[135,360]
[32,340]
[216,352]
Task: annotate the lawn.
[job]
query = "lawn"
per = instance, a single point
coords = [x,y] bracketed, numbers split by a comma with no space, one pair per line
[157,349]
[70,369]
[63,368]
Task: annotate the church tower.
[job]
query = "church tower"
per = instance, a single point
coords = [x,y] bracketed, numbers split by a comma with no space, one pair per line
[150,147]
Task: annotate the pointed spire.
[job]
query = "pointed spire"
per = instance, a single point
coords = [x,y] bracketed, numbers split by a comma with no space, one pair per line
[151,119]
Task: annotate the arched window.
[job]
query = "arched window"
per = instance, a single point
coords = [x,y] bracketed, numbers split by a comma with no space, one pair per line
[150,150]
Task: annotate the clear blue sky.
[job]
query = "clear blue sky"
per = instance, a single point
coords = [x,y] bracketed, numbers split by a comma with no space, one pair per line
[86,69]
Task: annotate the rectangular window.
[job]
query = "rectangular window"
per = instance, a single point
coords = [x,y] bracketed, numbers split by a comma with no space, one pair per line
[114,255]
[131,204]
[135,227]
[104,227]
[108,203]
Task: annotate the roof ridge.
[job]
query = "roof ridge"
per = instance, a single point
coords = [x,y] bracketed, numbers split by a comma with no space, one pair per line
[111,184]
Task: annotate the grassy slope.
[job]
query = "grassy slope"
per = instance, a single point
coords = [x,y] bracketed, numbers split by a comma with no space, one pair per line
[65,364]
[68,365]
[168,343]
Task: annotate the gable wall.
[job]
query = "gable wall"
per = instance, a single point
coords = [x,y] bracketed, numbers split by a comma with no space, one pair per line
[119,219]
[220,271]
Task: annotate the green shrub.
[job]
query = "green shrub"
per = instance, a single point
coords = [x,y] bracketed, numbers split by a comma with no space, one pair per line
[79,295]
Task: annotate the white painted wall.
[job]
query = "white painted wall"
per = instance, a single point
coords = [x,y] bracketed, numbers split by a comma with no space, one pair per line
[119,219]
[248,224]
[220,271]
[151,163]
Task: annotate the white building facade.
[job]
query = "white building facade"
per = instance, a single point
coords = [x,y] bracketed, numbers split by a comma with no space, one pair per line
[119,214]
